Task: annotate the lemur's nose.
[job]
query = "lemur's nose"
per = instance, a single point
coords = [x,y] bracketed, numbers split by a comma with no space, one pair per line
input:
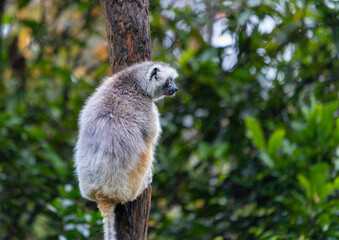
[173,90]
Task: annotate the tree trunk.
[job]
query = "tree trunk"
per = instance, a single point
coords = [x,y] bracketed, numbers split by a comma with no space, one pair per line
[128,32]
[129,42]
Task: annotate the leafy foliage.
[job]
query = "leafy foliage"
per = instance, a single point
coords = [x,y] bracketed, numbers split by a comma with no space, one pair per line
[250,142]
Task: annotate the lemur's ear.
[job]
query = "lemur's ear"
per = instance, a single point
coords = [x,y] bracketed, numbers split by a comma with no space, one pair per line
[154,71]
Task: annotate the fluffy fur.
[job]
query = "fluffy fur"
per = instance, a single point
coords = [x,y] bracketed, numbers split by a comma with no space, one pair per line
[118,130]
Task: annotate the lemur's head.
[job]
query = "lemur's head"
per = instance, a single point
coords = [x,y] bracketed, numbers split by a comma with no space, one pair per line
[158,80]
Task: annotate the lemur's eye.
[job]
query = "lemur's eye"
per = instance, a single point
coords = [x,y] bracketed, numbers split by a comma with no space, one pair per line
[169,80]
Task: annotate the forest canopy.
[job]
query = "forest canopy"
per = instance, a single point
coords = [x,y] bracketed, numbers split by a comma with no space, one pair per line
[249,148]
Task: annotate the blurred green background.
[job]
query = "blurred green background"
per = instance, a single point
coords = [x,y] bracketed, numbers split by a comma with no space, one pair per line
[249,148]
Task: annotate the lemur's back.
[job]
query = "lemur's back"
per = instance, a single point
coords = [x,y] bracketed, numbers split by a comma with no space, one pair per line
[118,130]
[113,126]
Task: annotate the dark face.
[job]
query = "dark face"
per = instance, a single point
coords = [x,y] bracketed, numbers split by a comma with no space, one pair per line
[169,88]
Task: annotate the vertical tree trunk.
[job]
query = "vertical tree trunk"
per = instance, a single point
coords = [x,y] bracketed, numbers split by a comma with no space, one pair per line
[129,42]
[128,32]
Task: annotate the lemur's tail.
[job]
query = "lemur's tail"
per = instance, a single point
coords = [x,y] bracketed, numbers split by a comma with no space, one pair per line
[109,227]
[107,207]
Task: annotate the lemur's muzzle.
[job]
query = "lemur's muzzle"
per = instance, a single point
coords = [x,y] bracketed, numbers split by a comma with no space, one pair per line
[170,88]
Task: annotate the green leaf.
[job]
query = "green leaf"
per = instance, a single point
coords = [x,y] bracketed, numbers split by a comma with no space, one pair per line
[318,176]
[266,160]
[204,150]
[56,161]
[335,184]
[336,131]
[327,120]
[274,141]
[256,133]
[188,54]
[221,150]
[313,120]
[329,111]
[303,181]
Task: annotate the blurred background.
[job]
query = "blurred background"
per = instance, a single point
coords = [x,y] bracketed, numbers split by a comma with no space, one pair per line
[249,148]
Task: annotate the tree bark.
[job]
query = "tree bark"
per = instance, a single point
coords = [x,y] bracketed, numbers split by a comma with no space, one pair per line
[129,42]
[128,32]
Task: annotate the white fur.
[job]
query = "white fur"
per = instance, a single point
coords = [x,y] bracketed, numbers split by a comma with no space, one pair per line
[115,126]
[110,141]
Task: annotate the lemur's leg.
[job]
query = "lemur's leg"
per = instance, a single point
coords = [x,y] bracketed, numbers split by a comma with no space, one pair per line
[140,171]
[147,180]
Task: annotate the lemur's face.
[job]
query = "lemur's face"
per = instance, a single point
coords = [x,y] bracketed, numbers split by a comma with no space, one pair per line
[161,81]
[169,88]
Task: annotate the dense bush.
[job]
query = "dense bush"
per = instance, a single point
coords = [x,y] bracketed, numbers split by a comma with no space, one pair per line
[250,142]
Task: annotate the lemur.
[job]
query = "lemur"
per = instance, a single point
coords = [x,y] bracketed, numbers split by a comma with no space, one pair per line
[118,130]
